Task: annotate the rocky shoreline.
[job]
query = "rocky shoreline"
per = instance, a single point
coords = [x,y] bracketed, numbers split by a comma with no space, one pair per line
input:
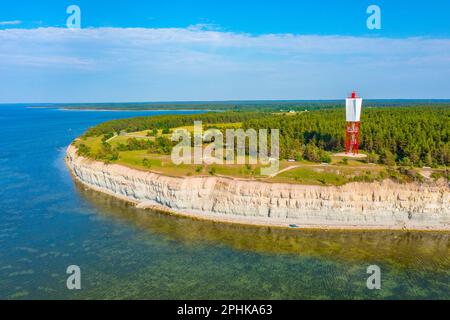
[377,205]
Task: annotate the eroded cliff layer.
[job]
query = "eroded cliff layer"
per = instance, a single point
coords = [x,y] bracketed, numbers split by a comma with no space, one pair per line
[383,205]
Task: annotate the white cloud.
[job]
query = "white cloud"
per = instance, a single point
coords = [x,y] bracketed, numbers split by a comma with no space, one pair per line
[134,40]
[201,62]
[10,23]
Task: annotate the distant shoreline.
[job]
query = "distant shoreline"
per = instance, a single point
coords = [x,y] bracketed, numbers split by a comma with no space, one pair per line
[230,105]
[134,110]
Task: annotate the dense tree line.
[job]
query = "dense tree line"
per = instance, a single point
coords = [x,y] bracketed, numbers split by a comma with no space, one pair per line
[407,135]
[161,145]
[169,121]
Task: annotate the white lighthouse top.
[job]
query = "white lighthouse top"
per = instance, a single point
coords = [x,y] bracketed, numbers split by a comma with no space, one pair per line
[353,108]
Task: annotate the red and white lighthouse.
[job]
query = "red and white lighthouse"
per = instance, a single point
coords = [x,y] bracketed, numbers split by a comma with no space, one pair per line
[353,106]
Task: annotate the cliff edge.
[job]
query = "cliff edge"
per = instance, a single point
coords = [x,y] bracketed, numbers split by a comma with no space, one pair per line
[377,205]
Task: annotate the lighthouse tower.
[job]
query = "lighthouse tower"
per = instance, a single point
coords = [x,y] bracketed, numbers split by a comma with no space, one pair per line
[353,106]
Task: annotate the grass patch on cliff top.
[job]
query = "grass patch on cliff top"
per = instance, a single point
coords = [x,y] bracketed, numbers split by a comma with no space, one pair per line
[311,176]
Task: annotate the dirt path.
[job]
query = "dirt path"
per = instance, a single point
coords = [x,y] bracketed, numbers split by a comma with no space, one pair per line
[128,135]
[284,170]
[110,139]
[314,166]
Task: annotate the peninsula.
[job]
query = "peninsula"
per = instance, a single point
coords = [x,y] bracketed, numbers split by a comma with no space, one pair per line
[315,187]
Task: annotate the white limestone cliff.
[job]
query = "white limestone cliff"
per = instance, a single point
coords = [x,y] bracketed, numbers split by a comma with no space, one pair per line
[377,205]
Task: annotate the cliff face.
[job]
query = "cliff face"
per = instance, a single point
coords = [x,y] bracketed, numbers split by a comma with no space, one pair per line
[356,205]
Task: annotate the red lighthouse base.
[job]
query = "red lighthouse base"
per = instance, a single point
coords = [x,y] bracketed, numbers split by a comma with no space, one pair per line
[352,138]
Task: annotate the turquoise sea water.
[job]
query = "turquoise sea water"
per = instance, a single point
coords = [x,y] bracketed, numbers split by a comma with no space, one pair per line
[48,222]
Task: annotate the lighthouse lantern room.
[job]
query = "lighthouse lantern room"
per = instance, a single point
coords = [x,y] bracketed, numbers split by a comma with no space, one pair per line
[353,106]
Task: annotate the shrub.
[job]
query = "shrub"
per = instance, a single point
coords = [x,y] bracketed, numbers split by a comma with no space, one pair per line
[325,157]
[146,163]
[387,158]
[84,150]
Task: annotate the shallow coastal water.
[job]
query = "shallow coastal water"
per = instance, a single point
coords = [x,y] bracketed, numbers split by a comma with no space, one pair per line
[48,222]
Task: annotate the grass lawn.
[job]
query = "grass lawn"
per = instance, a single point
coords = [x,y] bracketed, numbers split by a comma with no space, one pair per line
[311,176]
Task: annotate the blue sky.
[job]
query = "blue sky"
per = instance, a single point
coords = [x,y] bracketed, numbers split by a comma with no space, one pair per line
[222,50]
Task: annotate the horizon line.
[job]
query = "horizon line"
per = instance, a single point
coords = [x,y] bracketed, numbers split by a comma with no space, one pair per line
[222,101]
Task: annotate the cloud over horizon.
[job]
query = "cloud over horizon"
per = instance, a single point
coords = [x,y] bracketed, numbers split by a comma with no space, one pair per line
[201,63]
[10,23]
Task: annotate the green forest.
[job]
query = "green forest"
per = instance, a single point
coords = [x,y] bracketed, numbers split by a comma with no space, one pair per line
[170,121]
[407,136]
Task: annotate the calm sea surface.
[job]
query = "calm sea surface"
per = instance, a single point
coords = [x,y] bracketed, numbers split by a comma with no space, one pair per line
[48,222]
